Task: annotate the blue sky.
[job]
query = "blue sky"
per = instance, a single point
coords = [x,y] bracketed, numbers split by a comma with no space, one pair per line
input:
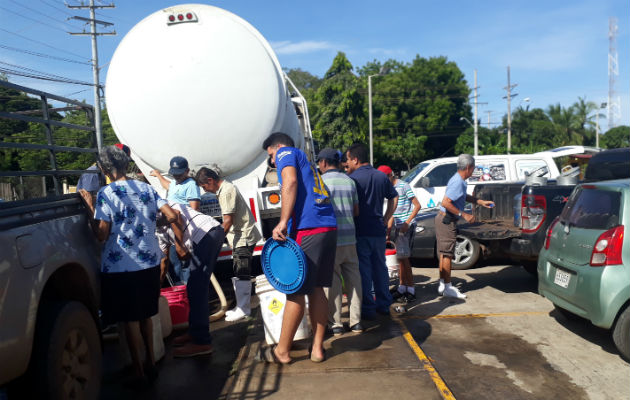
[557,50]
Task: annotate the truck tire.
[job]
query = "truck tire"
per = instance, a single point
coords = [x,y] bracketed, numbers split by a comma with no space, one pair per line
[67,356]
[467,253]
[621,333]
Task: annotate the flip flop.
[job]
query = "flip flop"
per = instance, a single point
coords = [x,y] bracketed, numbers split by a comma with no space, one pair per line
[314,358]
[268,355]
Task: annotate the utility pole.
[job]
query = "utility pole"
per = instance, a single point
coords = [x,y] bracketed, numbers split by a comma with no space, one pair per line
[489,112]
[509,96]
[95,69]
[475,128]
[614,101]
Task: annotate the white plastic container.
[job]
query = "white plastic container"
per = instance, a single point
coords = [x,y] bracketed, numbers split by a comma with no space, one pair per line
[158,342]
[272,309]
[391,261]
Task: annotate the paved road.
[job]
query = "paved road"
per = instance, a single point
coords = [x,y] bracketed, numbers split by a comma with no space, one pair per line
[505,341]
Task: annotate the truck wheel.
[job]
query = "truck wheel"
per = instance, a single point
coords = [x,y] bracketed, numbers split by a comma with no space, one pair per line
[621,333]
[466,253]
[67,353]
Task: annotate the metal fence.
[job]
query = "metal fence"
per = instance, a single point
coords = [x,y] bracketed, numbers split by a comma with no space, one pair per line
[49,124]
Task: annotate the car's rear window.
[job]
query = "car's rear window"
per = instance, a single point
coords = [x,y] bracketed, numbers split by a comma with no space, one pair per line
[592,209]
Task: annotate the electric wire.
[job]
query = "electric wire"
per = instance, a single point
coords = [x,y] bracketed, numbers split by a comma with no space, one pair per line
[42,43]
[41,13]
[56,8]
[33,19]
[34,53]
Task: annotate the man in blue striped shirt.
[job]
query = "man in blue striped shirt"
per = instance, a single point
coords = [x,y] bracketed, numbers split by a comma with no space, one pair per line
[400,228]
[345,201]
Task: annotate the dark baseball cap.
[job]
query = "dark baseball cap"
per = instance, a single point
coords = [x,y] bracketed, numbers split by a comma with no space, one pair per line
[329,154]
[178,165]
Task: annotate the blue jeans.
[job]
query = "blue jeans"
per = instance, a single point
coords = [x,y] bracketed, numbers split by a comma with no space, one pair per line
[201,264]
[371,253]
[178,272]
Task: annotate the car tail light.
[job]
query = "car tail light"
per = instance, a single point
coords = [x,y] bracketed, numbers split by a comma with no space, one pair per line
[607,249]
[549,230]
[533,212]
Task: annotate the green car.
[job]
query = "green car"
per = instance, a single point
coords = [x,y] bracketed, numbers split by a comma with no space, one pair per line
[584,265]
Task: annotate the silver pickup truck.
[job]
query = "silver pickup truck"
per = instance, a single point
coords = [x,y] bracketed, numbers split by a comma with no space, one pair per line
[49,296]
[50,341]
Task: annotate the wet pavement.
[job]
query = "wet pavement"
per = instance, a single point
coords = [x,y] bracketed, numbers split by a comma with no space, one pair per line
[504,341]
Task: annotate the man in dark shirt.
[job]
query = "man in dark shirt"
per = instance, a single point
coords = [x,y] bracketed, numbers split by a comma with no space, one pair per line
[373,187]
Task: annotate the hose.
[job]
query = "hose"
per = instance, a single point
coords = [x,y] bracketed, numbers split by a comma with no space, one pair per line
[217,287]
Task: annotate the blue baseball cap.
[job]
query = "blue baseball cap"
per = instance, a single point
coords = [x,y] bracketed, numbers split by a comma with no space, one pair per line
[178,165]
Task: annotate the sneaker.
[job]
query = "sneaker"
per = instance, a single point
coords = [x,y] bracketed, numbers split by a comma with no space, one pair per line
[337,330]
[410,298]
[182,340]
[191,349]
[453,292]
[357,328]
[396,294]
[440,288]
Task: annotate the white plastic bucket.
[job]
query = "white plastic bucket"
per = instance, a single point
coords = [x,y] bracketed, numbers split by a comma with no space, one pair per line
[391,261]
[272,309]
[158,342]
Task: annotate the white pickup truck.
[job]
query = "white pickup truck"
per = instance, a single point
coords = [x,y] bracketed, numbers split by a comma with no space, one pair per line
[429,178]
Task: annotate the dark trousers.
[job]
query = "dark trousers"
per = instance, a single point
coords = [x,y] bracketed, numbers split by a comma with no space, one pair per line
[201,264]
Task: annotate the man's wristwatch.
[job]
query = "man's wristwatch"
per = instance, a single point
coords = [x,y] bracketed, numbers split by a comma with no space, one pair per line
[460,214]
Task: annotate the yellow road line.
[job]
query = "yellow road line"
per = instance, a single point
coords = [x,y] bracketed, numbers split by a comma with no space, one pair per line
[426,363]
[507,314]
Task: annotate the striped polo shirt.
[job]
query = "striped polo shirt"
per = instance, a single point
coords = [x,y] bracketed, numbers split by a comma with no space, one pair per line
[343,194]
[405,206]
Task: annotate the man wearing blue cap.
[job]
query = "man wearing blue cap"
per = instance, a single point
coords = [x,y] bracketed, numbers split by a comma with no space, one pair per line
[182,189]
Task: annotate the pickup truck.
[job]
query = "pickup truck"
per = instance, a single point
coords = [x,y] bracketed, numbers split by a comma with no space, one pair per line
[50,341]
[495,231]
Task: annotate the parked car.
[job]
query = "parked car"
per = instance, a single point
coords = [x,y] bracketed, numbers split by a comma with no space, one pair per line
[429,178]
[584,265]
[467,251]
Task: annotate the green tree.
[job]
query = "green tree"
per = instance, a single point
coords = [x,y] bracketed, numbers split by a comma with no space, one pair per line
[303,80]
[616,137]
[424,98]
[337,107]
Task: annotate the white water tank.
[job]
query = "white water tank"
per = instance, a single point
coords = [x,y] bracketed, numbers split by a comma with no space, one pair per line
[200,82]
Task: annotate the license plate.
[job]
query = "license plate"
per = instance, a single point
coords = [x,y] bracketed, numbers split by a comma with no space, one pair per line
[562,278]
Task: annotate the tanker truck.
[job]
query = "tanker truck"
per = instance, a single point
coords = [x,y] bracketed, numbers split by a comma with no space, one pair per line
[197,81]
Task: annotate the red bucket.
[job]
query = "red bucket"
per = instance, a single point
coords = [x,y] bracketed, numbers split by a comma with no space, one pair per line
[177,303]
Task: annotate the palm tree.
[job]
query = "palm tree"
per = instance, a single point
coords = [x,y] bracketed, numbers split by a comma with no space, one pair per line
[566,121]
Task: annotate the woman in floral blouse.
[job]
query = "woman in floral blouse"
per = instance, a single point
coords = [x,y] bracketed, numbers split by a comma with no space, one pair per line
[124,217]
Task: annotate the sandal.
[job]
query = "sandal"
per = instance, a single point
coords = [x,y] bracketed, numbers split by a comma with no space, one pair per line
[315,358]
[268,355]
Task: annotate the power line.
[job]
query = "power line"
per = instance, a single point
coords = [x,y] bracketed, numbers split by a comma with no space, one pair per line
[34,53]
[40,13]
[32,73]
[41,43]
[56,8]
[32,19]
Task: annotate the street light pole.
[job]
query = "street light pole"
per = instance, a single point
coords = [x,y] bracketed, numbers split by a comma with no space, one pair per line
[476,122]
[370,117]
[383,71]
[603,105]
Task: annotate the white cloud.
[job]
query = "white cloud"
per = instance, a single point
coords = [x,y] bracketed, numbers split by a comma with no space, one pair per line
[388,52]
[305,46]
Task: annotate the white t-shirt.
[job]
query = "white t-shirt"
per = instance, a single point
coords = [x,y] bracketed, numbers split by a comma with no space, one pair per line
[196,225]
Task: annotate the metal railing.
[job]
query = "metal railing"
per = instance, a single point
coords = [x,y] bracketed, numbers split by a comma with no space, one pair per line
[48,123]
